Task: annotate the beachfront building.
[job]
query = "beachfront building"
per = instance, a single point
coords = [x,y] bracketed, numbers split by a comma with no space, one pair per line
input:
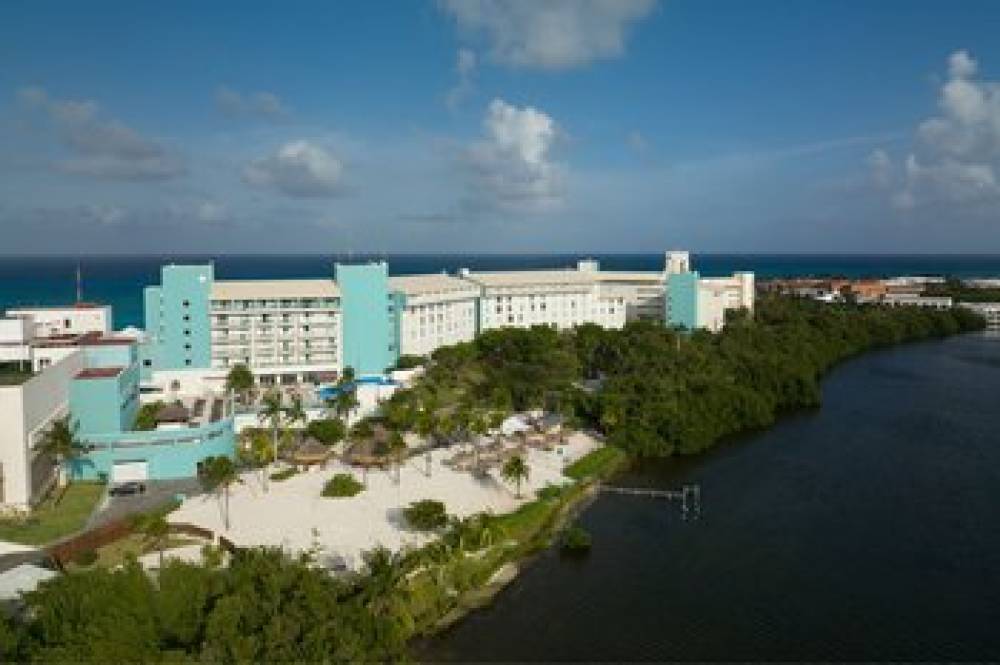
[988,310]
[74,319]
[308,331]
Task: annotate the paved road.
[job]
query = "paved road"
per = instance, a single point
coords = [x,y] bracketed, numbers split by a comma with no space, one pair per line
[158,492]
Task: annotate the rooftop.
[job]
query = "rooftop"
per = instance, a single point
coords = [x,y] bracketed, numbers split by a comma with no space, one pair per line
[530,277]
[100,373]
[51,308]
[93,338]
[274,288]
[417,285]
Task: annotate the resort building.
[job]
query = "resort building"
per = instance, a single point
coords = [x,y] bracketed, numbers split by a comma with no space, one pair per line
[69,320]
[92,379]
[435,311]
[988,310]
[308,331]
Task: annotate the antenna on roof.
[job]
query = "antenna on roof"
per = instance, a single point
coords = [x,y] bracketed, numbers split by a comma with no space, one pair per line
[79,284]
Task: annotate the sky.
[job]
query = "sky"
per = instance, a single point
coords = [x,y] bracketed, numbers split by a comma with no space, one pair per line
[476,126]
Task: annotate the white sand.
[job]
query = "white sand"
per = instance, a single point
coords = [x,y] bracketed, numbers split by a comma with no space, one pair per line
[293,515]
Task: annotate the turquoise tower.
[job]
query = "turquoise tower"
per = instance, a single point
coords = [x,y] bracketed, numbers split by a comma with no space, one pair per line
[177,320]
[681,304]
[369,317]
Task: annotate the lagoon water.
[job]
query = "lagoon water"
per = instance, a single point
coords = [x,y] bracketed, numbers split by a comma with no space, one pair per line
[868,529]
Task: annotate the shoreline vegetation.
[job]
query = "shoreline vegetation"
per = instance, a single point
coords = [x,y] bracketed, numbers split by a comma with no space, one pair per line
[653,392]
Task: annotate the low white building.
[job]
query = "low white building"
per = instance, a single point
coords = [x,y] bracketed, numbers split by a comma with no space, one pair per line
[73,319]
[29,403]
[988,310]
[718,294]
[916,300]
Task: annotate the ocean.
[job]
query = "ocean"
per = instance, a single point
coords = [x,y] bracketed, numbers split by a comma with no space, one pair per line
[119,281]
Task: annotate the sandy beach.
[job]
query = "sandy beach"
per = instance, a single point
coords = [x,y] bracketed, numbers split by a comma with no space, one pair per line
[292,514]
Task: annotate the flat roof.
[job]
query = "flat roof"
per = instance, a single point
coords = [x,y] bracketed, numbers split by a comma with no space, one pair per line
[100,373]
[51,308]
[529,277]
[258,289]
[416,285]
[92,338]
[623,276]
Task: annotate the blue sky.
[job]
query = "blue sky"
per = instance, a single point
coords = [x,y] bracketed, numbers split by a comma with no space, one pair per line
[479,125]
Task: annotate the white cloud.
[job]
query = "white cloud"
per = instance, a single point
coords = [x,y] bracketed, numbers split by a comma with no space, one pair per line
[955,157]
[299,168]
[265,105]
[550,34]
[465,68]
[99,147]
[881,167]
[513,165]
[211,212]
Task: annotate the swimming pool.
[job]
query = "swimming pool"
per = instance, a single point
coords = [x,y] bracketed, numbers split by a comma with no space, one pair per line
[330,391]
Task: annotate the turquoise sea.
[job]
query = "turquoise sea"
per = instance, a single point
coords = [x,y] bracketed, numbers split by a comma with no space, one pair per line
[119,281]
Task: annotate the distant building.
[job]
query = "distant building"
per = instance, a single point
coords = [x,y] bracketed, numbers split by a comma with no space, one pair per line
[988,310]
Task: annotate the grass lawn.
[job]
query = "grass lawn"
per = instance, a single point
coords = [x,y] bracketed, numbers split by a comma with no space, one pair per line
[48,522]
[599,463]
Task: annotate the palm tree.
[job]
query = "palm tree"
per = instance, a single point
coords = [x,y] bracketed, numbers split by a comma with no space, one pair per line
[155,531]
[295,412]
[218,474]
[60,442]
[261,455]
[240,381]
[347,376]
[397,448]
[272,412]
[345,402]
[386,592]
[515,470]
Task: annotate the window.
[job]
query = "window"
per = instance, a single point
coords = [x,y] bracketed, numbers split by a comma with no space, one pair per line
[187,362]
[67,323]
[187,331]
[186,303]
[187,317]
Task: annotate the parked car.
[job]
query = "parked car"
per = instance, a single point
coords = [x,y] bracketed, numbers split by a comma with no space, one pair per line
[127,489]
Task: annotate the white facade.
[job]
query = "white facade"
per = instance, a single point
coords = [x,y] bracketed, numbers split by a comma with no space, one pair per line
[27,410]
[916,300]
[283,330]
[718,294]
[558,298]
[439,310]
[70,320]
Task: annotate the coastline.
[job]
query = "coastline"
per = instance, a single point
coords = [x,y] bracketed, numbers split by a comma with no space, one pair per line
[585,492]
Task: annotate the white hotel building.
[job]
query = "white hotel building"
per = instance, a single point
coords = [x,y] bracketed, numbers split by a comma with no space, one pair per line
[292,331]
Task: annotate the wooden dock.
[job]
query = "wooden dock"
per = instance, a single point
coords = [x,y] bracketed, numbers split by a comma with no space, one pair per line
[689,496]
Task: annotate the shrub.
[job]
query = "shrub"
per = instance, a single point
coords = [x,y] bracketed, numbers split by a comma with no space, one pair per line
[146,418]
[284,474]
[410,361]
[426,515]
[342,485]
[550,492]
[85,558]
[327,431]
[575,540]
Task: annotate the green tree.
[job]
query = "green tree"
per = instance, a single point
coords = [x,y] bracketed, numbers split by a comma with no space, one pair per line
[515,470]
[61,443]
[426,515]
[344,402]
[272,412]
[155,531]
[240,381]
[397,450]
[327,431]
[145,419]
[218,475]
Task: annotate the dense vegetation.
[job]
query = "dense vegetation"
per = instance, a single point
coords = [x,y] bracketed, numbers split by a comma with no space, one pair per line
[655,391]
[263,607]
[958,290]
